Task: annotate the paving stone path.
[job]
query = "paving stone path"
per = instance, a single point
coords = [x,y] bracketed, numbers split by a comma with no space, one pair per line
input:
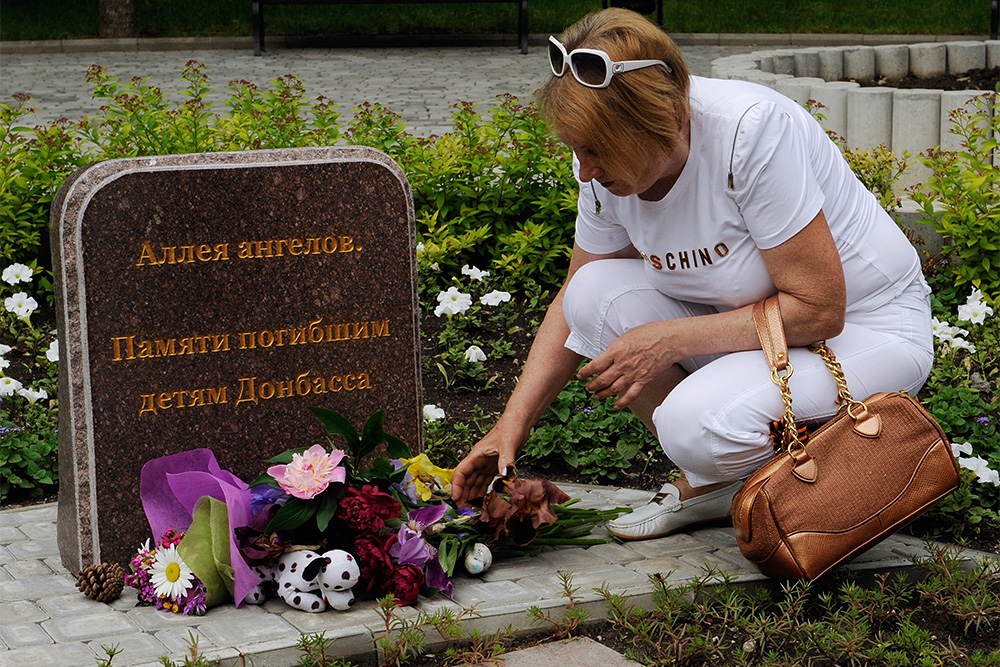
[421,83]
[44,620]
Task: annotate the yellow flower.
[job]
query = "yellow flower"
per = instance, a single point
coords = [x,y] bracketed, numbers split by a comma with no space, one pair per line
[427,477]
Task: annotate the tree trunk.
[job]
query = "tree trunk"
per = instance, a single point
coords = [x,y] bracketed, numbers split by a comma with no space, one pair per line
[118,18]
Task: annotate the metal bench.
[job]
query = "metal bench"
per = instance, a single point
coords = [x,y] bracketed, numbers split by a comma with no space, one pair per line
[258,14]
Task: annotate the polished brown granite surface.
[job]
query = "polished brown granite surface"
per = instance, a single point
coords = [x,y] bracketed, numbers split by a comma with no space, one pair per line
[207,301]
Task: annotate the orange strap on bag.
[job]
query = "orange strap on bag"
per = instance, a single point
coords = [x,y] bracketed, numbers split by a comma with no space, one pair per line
[873,468]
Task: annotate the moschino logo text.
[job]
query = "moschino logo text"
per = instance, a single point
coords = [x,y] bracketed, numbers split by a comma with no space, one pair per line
[686,259]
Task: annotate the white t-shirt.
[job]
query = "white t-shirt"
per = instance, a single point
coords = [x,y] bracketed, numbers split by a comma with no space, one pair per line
[702,241]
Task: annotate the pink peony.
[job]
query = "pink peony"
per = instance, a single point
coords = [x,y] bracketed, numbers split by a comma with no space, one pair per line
[310,472]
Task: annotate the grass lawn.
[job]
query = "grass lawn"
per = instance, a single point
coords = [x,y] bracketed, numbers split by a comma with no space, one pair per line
[67,19]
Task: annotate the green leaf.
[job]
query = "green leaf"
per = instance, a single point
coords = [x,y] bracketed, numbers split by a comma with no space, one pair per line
[264,478]
[327,508]
[373,435]
[337,424]
[448,551]
[285,457]
[293,514]
[397,448]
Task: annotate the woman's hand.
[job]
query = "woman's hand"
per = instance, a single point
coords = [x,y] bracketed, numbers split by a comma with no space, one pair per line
[492,455]
[632,361]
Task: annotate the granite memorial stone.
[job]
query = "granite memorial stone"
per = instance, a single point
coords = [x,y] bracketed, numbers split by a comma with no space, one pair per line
[207,301]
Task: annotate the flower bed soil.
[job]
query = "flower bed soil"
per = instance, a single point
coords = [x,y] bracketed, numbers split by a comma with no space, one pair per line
[975,79]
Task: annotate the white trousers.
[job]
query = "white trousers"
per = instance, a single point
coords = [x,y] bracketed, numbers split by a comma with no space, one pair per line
[714,425]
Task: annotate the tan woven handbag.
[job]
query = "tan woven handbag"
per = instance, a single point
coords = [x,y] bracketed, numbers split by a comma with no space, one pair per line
[877,465]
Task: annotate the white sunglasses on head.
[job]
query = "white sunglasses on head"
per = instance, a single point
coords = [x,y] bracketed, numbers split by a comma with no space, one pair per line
[591,67]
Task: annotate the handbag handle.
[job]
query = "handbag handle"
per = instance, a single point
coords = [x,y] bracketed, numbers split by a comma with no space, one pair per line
[771,332]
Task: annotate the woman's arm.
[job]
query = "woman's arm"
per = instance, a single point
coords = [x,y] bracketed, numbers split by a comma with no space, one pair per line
[547,369]
[809,275]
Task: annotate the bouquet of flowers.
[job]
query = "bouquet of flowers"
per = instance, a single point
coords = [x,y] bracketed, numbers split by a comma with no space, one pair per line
[319,526]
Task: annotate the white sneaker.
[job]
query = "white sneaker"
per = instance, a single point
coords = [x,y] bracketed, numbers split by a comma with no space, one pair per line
[666,513]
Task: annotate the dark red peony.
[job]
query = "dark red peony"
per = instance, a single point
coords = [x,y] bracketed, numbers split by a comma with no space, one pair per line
[404,584]
[367,510]
[374,561]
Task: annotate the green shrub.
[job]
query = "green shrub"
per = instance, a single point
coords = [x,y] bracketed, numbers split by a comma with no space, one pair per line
[588,435]
[961,198]
[33,164]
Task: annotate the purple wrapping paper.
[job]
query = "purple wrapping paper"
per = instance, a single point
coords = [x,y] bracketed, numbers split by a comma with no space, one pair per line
[170,487]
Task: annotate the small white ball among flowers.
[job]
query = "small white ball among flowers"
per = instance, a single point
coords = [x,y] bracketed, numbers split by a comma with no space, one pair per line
[478,559]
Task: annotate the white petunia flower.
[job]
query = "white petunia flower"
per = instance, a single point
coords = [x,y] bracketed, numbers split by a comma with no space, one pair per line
[4,364]
[982,470]
[8,386]
[432,413]
[962,344]
[21,305]
[452,302]
[942,330]
[52,354]
[420,248]
[474,354]
[170,575]
[32,395]
[4,349]
[494,298]
[975,297]
[17,273]
[974,312]
[964,448]
[474,273]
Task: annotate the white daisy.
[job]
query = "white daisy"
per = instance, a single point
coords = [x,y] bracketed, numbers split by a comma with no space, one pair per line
[170,575]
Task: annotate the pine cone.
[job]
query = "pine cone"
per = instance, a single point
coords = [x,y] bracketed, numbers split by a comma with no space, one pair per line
[102,581]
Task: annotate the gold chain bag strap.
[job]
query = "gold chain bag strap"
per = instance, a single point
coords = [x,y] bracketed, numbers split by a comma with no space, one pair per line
[874,467]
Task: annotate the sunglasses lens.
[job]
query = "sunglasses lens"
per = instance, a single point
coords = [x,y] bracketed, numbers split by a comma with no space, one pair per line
[589,68]
[556,60]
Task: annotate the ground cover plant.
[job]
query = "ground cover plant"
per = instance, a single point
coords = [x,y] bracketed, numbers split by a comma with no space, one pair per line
[494,209]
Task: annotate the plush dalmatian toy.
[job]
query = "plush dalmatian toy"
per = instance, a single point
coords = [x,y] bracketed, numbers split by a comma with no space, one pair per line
[309,581]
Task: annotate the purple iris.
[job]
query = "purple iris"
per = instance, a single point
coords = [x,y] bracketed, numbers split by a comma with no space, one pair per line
[263,495]
[411,548]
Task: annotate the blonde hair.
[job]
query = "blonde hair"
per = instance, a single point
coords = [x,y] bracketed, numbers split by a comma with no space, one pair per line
[641,113]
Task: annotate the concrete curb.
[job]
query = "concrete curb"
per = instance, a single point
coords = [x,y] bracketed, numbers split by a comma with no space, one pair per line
[356,41]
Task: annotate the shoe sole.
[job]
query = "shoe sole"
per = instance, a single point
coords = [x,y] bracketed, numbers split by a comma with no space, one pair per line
[721,521]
